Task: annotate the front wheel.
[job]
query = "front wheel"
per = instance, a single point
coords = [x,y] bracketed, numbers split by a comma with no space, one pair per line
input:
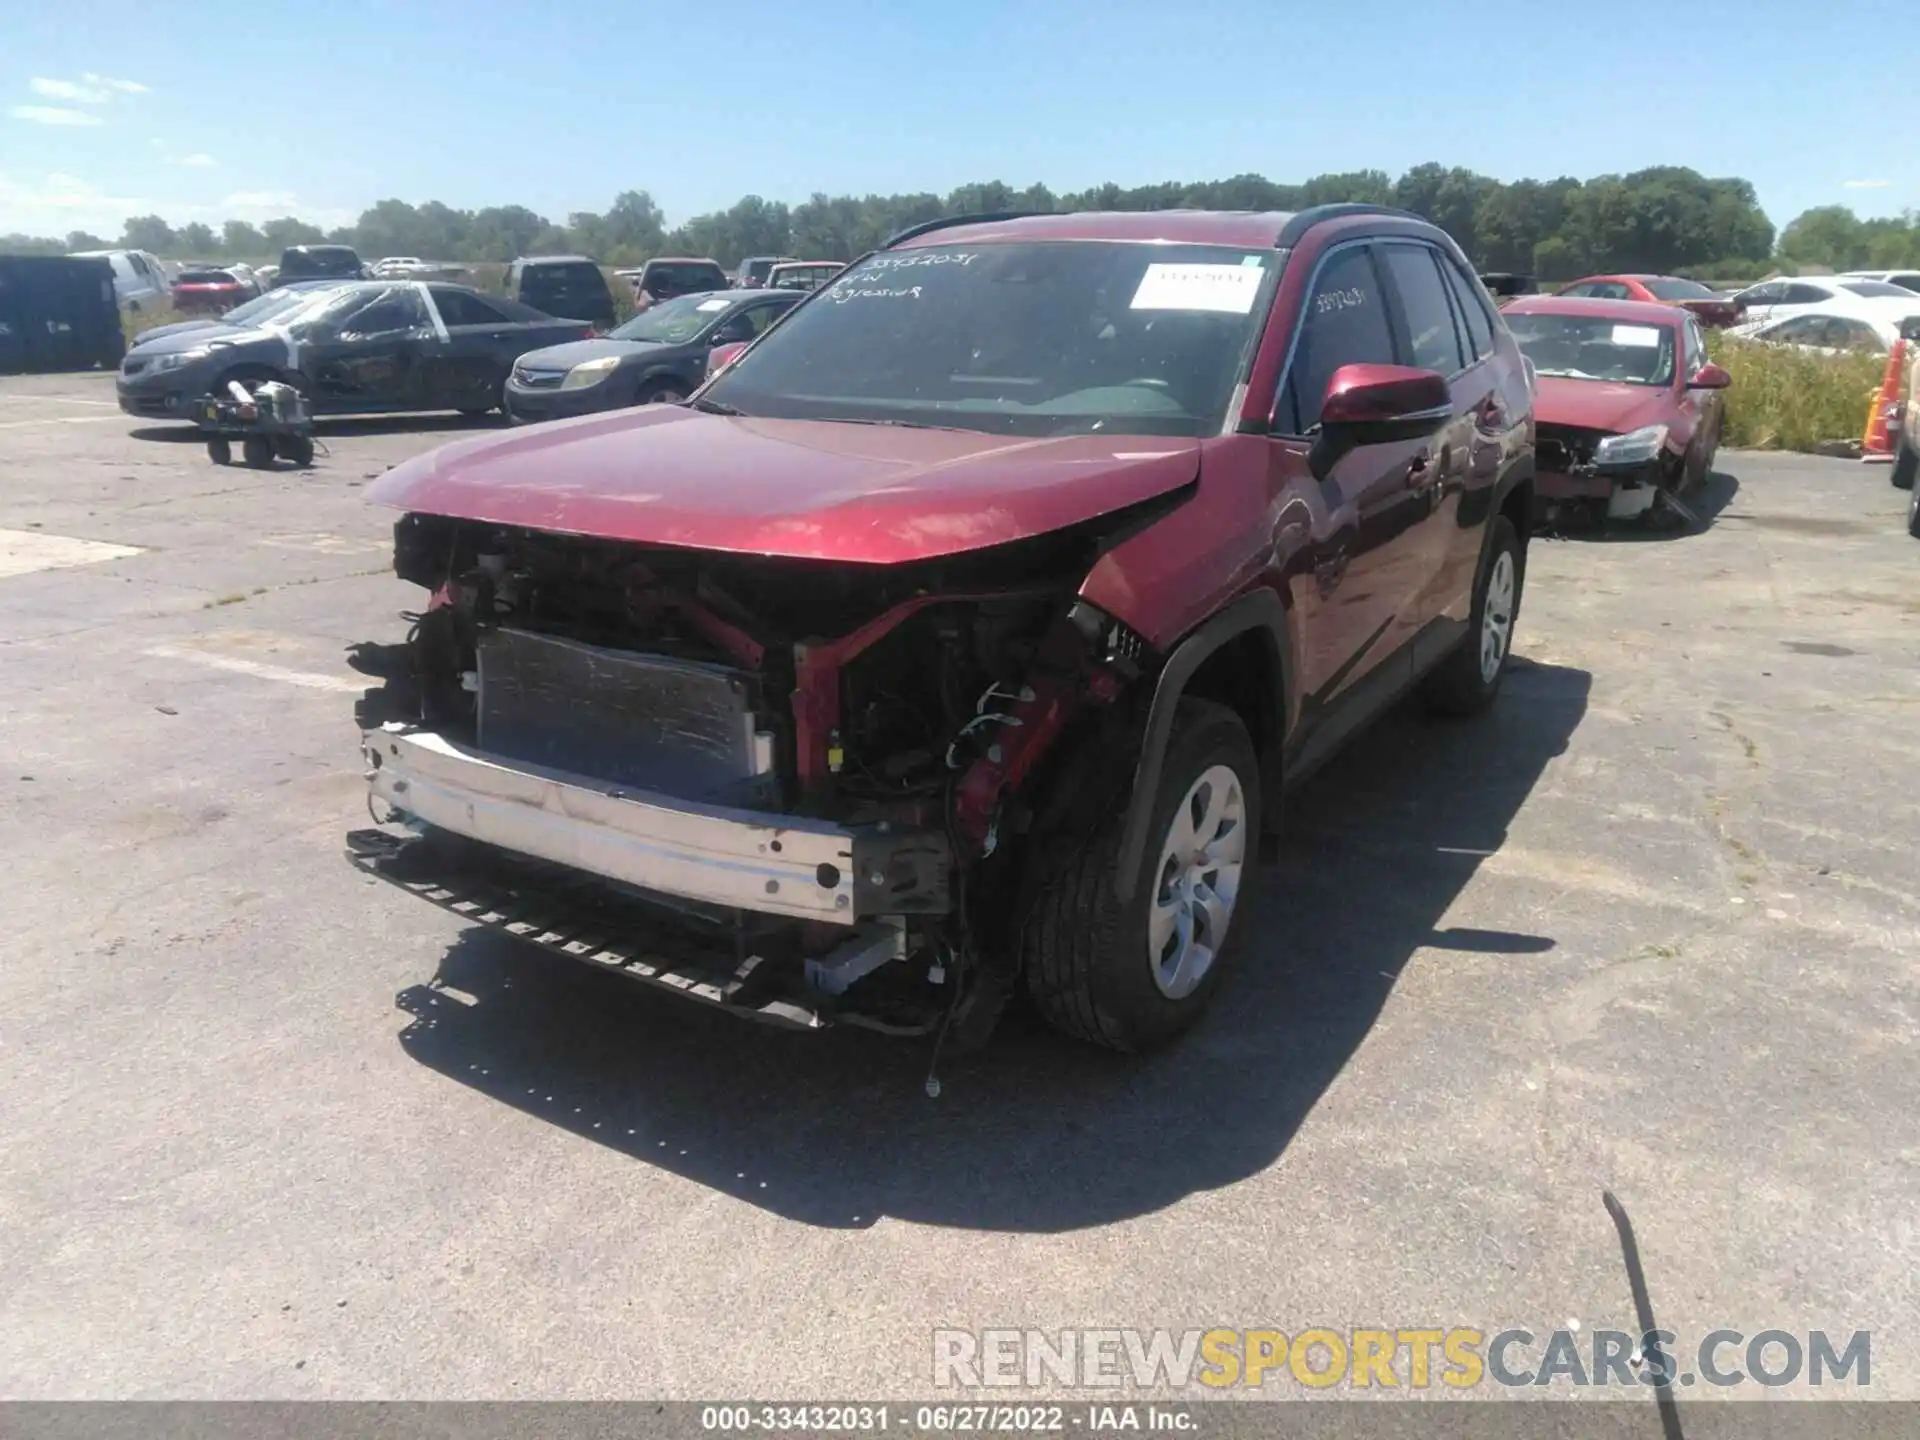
[1468,679]
[257,450]
[220,450]
[1913,513]
[1133,974]
[661,392]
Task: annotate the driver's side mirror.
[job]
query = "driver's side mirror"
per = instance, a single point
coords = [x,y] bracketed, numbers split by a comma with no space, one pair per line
[1710,377]
[1377,405]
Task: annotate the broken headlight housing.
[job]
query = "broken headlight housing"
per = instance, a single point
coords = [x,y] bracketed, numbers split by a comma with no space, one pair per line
[1636,447]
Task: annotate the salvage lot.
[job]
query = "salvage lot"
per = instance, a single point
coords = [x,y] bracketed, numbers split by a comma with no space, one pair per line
[277,1130]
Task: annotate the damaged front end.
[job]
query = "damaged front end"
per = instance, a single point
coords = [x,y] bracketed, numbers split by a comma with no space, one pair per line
[795,788]
[1608,475]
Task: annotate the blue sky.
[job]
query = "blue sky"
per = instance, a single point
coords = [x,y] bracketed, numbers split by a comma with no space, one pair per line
[211,110]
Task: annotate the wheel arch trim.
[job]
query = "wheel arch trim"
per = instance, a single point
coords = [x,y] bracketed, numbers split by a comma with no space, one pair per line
[1261,612]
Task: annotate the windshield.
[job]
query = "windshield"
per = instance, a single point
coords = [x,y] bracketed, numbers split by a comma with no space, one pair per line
[1679,290]
[273,304]
[1053,338]
[1584,347]
[1876,288]
[675,321]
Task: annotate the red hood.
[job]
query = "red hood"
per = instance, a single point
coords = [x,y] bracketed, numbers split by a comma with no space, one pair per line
[1600,404]
[802,488]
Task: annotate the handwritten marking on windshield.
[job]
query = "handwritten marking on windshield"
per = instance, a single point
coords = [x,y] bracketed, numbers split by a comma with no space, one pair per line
[840,294]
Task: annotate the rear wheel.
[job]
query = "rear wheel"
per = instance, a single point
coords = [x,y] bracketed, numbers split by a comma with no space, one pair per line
[296,448]
[1906,462]
[219,450]
[257,451]
[1133,974]
[1468,679]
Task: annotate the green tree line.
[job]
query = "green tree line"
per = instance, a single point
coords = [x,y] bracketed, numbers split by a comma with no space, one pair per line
[1666,219]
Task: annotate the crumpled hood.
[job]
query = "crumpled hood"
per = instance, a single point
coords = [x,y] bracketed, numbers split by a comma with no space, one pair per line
[577,352]
[1600,404]
[876,494]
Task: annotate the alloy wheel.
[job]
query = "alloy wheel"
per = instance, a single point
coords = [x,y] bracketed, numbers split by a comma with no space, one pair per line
[1496,624]
[1197,882]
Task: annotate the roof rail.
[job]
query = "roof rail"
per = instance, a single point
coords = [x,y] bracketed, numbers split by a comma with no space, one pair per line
[1298,225]
[927,227]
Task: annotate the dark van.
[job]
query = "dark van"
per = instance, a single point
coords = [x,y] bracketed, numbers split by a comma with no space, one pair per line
[570,287]
[319,262]
[58,312]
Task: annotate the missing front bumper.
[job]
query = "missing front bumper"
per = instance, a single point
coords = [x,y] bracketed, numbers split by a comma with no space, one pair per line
[770,864]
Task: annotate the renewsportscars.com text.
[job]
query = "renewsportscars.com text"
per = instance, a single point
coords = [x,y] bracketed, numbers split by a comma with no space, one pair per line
[1411,1359]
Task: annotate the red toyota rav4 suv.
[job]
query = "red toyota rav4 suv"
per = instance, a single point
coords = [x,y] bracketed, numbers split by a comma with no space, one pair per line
[966,631]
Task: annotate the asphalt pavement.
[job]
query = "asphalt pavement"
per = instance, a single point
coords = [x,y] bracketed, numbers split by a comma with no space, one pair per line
[270,1129]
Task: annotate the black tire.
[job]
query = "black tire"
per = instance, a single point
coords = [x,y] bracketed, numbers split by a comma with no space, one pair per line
[1913,513]
[1461,684]
[1906,462]
[499,402]
[220,450]
[1086,955]
[296,448]
[257,451]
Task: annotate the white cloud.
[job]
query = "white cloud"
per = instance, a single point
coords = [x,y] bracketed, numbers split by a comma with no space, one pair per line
[53,115]
[125,87]
[55,203]
[1865,184]
[199,160]
[69,90]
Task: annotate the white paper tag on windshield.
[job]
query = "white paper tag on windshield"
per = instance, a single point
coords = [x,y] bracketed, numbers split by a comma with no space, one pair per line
[1227,289]
[1639,336]
[715,304]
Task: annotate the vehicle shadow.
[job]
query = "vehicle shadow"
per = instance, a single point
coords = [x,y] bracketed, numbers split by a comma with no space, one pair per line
[1706,501]
[334,426]
[1035,1133]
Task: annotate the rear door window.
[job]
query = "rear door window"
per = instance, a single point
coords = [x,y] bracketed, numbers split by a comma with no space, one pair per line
[1473,310]
[1345,323]
[1431,333]
[457,307]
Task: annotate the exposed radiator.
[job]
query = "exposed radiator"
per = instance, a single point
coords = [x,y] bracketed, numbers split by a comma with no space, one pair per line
[676,727]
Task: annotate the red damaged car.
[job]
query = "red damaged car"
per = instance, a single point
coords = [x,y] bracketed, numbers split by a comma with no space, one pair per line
[216,290]
[1709,307]
[1627,407]
[965,632]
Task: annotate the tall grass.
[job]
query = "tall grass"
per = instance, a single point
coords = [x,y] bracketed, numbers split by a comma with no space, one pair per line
[1788,399]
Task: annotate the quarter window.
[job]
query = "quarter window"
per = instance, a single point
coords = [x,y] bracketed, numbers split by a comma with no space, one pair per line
[1434,338]
[1345,324]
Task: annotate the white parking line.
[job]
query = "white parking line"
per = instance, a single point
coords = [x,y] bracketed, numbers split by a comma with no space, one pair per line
[307,679]
[23,552]
[59,420]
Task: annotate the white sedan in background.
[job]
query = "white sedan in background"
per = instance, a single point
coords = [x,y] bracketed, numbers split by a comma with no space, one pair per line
[1860,298]
[1905,279]
[1833,334]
